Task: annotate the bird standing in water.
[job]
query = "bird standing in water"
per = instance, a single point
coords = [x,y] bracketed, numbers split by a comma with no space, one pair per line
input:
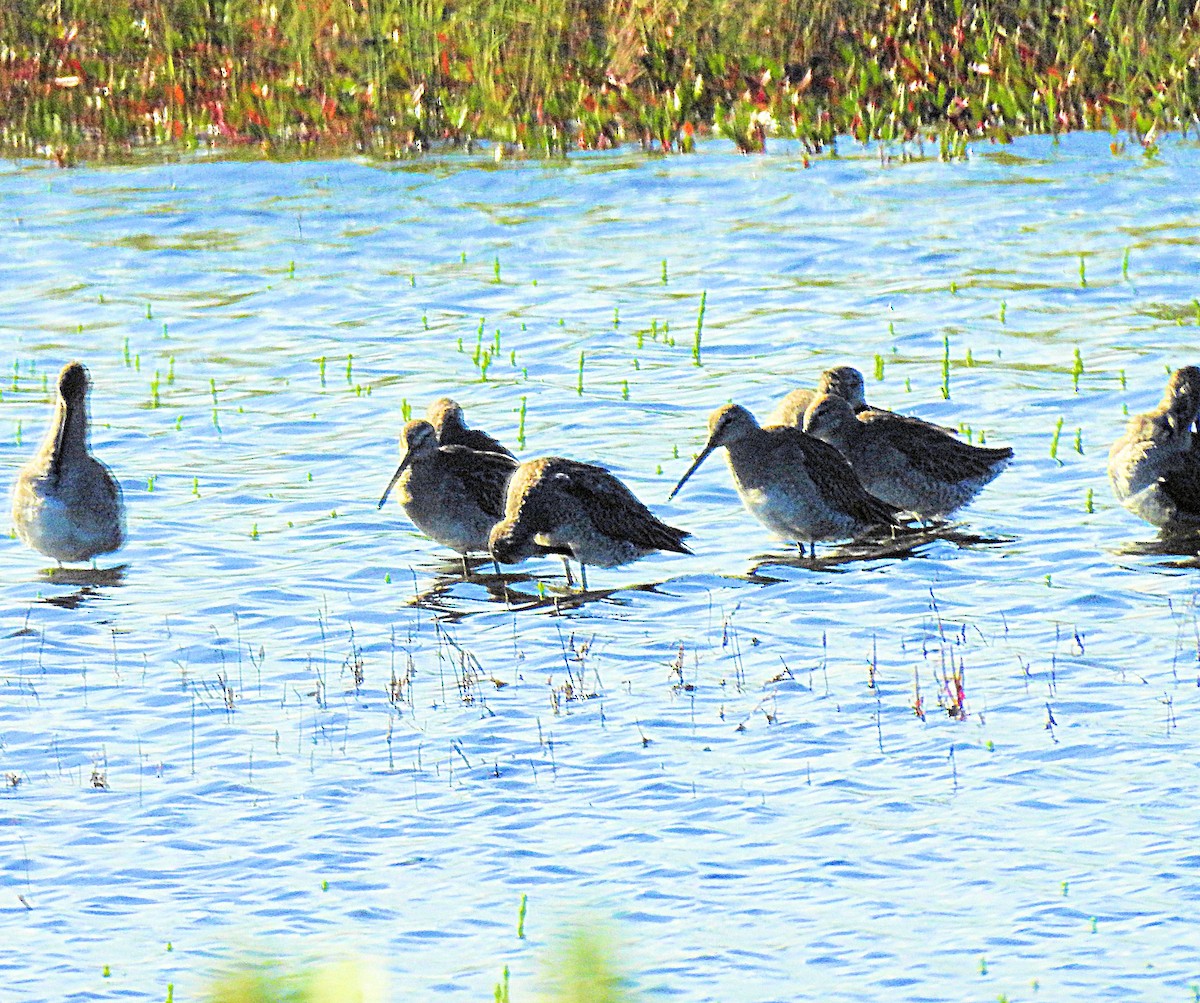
[909,463]
[555,505]
[1154,467]
[797,486]
[66,503]
[453,494]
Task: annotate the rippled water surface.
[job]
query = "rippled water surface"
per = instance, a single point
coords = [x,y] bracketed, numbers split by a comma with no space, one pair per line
[694,749]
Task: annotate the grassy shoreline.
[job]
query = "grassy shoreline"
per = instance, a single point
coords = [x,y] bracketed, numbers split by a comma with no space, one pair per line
[102,78]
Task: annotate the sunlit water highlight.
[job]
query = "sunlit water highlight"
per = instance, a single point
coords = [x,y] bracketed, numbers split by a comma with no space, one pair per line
[694,751]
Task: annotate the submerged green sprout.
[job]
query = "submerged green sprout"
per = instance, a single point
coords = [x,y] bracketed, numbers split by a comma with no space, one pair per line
[946,367]
[1054,441]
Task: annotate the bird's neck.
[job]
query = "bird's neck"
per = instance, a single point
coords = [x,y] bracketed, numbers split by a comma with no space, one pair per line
[67,440]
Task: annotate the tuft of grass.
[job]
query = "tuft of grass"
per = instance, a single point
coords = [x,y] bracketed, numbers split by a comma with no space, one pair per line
[946,367]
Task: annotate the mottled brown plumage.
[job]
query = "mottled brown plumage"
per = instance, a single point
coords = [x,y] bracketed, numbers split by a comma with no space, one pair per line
[578,510]
[843,381]
[453,494]
[447,420]
[66,503]
[797,486]
[1154,467]
[916,466]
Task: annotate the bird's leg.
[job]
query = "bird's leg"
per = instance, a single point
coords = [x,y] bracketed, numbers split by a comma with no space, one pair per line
[466,571]
[570,577]
[583,575]
[496,565]
[800,547]
[812,550]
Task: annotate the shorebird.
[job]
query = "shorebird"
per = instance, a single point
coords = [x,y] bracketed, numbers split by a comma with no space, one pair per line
[446,417]
[453,494]
[555,505]
[844,381]
[799,487]
[66,503]
[1155,466]
[916,466]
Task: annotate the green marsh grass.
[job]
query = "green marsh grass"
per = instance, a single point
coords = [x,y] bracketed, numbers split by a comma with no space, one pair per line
[1054,440]
[946,367]
[542,77]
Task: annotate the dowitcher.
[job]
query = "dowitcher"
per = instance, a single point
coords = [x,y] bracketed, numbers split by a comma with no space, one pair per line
[447,420]
[1155,466]
[799,487]
[66,503]
[581,510]
[916,466]
[453,494]
[844,381]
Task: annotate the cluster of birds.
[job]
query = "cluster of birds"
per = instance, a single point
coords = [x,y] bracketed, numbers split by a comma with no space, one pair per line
[826,466]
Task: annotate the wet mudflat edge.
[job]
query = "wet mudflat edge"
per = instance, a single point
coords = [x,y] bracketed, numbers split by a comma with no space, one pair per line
[286,718]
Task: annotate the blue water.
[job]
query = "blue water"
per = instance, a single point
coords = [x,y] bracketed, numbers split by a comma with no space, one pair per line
[693,755]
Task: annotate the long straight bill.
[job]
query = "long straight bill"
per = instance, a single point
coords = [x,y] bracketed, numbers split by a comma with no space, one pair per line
[692,469]
[395,477]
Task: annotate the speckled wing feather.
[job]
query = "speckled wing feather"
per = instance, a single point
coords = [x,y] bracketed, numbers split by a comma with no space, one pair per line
[1182,484]
[472,438]
[933,452]
[616,512]
[839,485]
[868,414]
[485,475]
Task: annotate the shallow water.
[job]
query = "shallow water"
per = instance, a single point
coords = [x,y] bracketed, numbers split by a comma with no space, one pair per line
[694,750]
